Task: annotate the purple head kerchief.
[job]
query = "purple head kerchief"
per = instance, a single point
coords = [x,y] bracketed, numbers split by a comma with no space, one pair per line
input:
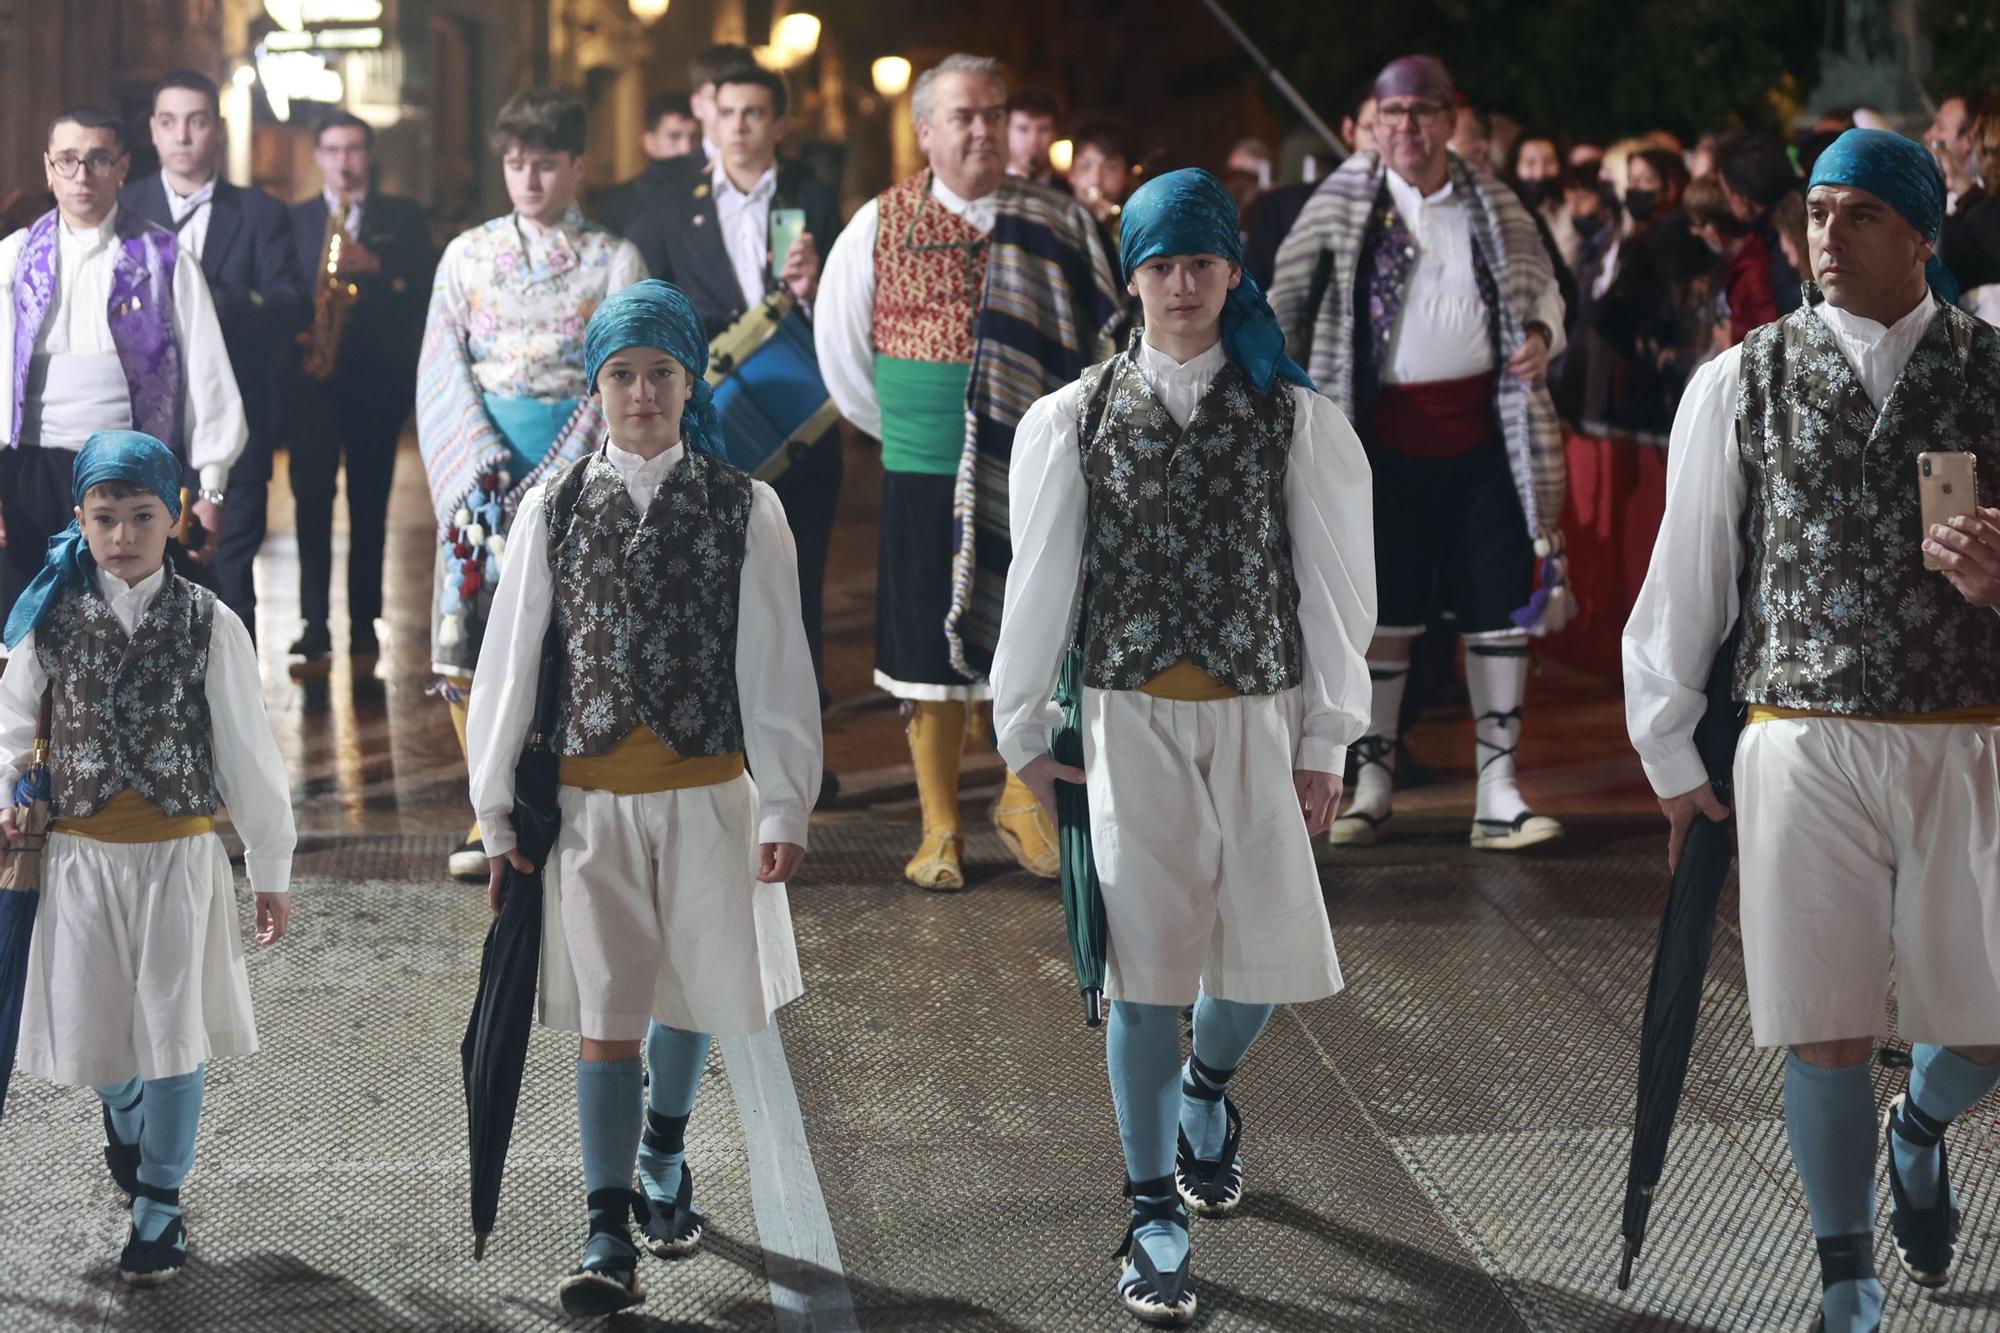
[1416,76]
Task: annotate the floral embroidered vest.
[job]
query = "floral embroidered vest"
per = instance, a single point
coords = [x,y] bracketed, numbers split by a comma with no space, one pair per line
[1189,548]
[646,605]
[930,276]
[529,299]
[141,312]
[130,710]
[1839,613]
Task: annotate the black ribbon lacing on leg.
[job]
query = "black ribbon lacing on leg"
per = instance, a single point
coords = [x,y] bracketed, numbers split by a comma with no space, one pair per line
[1849,1258]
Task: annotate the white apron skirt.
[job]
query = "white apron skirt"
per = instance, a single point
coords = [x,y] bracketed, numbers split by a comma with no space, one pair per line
[1863,844]
[652,910]
[137,962]
[1201,849]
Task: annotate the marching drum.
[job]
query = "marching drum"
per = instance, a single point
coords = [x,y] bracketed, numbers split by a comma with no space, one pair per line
[768,394]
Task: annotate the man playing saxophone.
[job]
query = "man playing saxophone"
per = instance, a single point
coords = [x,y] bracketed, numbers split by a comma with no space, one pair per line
[383,258]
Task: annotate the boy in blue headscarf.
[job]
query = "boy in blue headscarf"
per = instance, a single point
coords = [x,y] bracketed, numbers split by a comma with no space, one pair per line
[671,580]
[1210,515]
[1866,785]
[155,718]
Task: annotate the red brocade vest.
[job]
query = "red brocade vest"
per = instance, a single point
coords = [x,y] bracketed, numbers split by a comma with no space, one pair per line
[930,273]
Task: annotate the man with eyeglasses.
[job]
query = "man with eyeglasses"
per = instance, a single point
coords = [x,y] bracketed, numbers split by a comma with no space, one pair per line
[949,304]
[1443,375]
[106,328]
[244,242]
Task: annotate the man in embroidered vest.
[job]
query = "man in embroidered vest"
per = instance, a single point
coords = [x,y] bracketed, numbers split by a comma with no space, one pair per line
[501,397]
[155,717]
[1868,797]
[1209,513]
[105,329]
[243,240]
[669,576]
[949,304]
[1443,374]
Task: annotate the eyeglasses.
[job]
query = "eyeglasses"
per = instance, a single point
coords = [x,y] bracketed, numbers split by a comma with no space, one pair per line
[97,164]
[1414,113]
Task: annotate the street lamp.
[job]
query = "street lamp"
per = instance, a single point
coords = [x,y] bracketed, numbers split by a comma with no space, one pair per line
[649,12]
[796,37]
[891,75]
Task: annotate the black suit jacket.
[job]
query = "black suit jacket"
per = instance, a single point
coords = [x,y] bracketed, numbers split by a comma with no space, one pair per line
[385,329]
[679,232]
[618,206]
[254,275]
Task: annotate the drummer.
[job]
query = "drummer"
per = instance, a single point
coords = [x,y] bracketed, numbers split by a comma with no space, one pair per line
[708,231]
[660,821]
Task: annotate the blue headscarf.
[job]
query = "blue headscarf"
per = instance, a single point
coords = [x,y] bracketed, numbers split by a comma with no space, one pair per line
[658,314]
[1187,212]
[109,455]
[1901,173]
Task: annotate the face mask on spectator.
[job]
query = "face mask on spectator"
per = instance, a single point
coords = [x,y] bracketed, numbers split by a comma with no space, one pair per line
[1640,203]
[1539,192]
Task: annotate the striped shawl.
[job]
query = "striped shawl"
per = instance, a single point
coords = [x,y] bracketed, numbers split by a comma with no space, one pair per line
[1051,308]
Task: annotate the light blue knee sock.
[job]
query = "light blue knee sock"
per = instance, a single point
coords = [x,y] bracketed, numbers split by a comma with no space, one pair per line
[1830,1123]
[1143,1050]
[166,1145]
[1223,1031]
[126,1103]
[674,1060]
[609,1111]
[1943,1085]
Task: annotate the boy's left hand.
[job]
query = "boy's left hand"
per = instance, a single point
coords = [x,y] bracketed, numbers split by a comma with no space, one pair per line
[1319,797]
[274,916]
[778,861]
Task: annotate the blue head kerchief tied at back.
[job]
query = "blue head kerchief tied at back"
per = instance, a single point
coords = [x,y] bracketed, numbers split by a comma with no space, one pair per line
[1187,212]
[1899,172]
[658,314]
[110,455]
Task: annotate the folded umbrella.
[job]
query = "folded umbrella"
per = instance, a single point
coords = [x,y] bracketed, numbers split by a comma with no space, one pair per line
[1680,964]
[1083,900]
[495,1049]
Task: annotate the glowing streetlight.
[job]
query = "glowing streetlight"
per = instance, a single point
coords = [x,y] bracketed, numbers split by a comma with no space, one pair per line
[796,37]
[891,75]
[1061,153]
[244,76]
[649,12]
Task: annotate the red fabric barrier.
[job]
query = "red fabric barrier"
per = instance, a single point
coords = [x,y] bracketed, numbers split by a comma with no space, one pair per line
[1617,494]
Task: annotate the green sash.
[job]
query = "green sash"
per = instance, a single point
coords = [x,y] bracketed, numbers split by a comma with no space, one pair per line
[923,414]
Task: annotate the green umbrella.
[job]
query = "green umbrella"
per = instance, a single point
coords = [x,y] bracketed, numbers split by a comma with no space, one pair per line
[1083,902]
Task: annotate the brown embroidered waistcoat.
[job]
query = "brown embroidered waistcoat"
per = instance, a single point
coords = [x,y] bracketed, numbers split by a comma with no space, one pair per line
[1189,549]
[930,276]
[1839,614]
[130,710]
[646,605]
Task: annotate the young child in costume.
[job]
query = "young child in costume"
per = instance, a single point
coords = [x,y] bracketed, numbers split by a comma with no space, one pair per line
[156,718]
[1208,517]
[672,582]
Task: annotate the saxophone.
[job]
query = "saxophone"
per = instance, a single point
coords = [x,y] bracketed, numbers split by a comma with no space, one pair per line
[333,297]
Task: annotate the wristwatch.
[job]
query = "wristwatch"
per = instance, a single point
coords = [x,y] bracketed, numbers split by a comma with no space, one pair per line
[213,496]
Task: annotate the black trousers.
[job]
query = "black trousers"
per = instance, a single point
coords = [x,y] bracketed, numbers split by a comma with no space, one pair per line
[35,502]
[232,573]
[331,423]
[810,491]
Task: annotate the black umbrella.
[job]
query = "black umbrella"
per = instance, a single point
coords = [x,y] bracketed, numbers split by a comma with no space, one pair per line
[495,1048]
[1083,900]
[1673,999]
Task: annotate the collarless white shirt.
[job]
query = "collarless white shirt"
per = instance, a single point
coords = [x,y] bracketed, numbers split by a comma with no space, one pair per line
[1180,385]
[1690,598]
[844,310]
[642,475]
[191,214]
[1441,332]
[745,217]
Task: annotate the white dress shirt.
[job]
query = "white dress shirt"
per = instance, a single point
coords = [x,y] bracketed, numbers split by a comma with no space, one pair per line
[775,688]
[357,204]
[844,314]
[1441,332]
[71,392]
[191,214]
[249,772]
[1330,508]
[746,228]
[1690,597]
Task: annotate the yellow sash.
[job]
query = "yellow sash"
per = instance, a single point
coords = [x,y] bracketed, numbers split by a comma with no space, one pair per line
[130,817]
[1186,683]
[1979,714]
[641,762]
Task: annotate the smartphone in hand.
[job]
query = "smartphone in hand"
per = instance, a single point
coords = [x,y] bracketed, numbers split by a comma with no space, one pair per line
[1948,486]
[787,225]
